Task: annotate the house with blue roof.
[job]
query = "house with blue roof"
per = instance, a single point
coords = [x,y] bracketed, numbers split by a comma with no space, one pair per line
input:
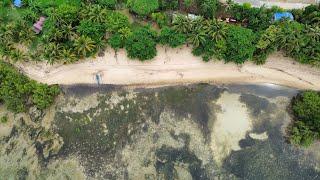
[17,3]
[282,15]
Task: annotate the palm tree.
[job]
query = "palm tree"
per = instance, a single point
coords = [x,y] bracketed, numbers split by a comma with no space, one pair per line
[215,29]
[197,37]
[52,52]
[67,32]
[198,22]
[67,55]
[182,24]
[313,32]
[95,13]
[17,55]
[84,45]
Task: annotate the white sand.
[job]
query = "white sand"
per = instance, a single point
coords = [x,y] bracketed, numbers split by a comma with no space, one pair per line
[174,66]
[231,125]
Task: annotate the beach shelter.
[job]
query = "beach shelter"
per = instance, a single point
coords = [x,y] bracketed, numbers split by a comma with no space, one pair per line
[17,3]
[282,15]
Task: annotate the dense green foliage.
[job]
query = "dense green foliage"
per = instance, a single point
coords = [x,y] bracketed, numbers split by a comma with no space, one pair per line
[76,29]
[141,44]
[171,38]
[254,18]
[306,111]
[4,119]
[17,92]
[143,7]
[208,8]
[240,44]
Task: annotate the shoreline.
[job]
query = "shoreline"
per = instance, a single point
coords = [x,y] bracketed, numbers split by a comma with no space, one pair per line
[173,67]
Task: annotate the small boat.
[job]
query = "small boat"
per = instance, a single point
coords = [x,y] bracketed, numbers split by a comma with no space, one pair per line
[37,27]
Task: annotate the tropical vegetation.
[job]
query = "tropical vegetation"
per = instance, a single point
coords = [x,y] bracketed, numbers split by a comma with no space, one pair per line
[17,92]
[306,126]
[76,29]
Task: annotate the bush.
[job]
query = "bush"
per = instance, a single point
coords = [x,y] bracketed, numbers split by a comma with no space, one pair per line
[16,90]
[115,21]
[143,7]
[208,8]
[256,19]
[239,42]
[91,29]
[168,4]
[306,110]
[267,43]
[116,42]
[161,19]
[111,4]
[4,119]
[141,44]
[172,38]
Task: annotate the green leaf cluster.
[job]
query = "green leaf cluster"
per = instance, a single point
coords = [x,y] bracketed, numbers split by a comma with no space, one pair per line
[141,44]
[306,110]
[17,92]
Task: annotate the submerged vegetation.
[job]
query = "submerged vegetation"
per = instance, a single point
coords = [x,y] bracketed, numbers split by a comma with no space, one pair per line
[76,29]
[306,126]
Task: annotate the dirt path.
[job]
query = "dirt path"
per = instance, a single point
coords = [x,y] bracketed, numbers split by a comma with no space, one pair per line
[174,66]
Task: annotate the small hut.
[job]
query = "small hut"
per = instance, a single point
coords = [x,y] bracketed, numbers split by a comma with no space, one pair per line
[37,27]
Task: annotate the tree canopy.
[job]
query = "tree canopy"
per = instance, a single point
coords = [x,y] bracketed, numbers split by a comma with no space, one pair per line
[240,44]
[141,44]
[17,92]
[143,7]
[306,111]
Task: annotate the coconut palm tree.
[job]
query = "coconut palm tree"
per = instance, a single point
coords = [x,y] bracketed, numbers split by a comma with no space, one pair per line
[197,37]
[215,29]
[182,24]
[67,55]
[95,13]
[313,32]
[67,32]
[17,55]
[52,52]
[84,45]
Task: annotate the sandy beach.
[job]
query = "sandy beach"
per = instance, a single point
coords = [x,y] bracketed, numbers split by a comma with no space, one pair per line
[173,66]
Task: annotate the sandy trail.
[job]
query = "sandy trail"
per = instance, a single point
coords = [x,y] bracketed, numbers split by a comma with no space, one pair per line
[173,66]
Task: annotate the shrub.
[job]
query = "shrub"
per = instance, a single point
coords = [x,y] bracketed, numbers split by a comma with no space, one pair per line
[208,8]
[267,44]
[161,19]
[256,19]
[116,21]
[91,29]
[141,44]
[116,42]
[65,13]
[168,4]
[239,42]
[43,96]
[111,4]
[172,38]
[306,110]
[143,7]
[16,90]
[4,119]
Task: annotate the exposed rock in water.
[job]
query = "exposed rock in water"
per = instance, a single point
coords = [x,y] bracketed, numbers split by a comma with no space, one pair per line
[35,114]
